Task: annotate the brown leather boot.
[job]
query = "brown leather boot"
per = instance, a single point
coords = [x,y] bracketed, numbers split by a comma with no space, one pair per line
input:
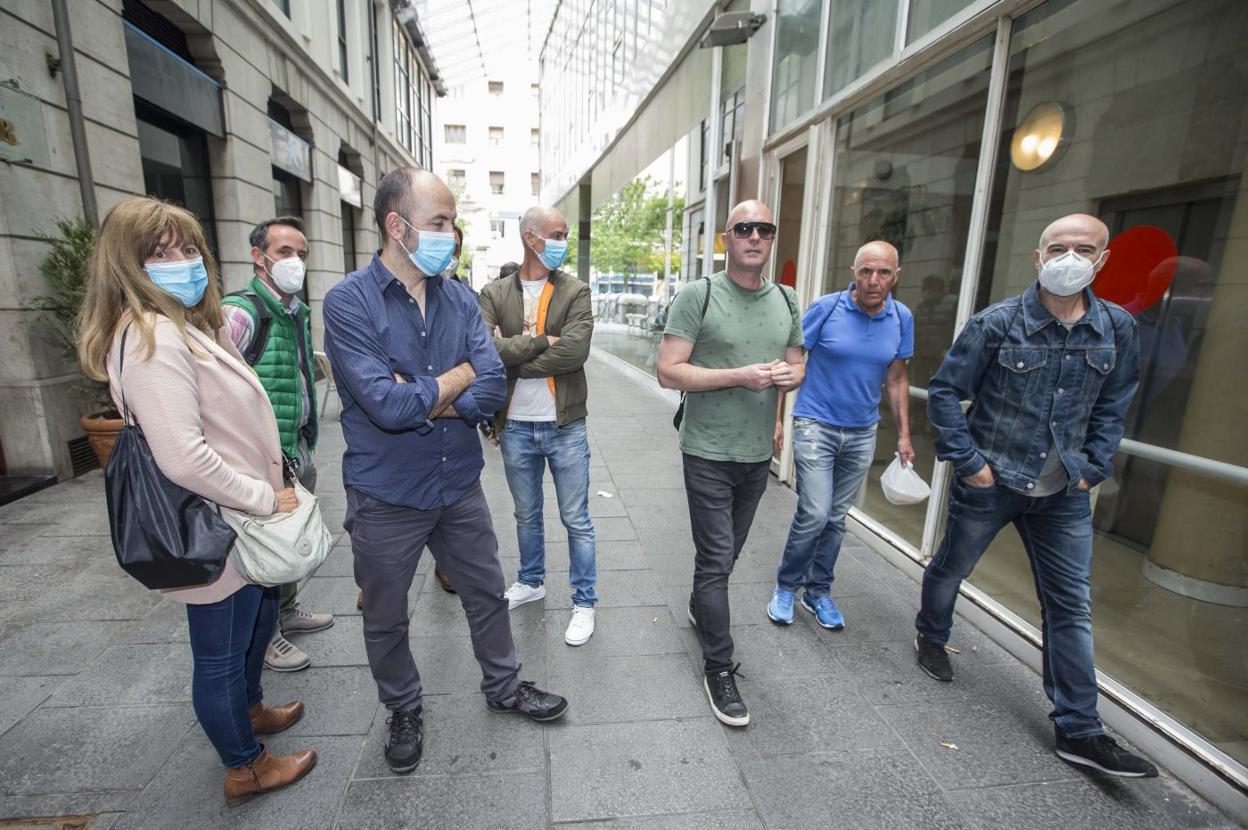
[443,580]
[265,774]
[269,721]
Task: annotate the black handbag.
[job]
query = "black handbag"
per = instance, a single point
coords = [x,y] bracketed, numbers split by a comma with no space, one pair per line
[164,535]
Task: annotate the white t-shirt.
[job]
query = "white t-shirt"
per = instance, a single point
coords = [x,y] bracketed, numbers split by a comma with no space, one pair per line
[532,400]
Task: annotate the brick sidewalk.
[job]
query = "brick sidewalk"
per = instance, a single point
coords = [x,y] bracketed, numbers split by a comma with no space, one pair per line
[95,714]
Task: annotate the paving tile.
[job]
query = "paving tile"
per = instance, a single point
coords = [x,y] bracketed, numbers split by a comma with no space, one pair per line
[1009,742]
[91,598]
[618,632]
[607,770]
[886,673]
[53,648]
[337,595]
[607,529]
[166,623]
[864,789]
[777,651]
[15,535]
[883,616]
[799,715]
[337,700]
[633,688]
[608,556]
[109,802]
[491,802]
[437,613]
[731,820]
[642,475]
[340,561]
[340,645]
[616,588]
[23,583]
[672,515]
[20,695]
[1094,801]
[462,737]
[55,550]
[188,792]
[90,748]
[131,675]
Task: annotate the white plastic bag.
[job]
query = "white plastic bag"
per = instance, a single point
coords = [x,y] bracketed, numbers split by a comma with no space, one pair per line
[902,485]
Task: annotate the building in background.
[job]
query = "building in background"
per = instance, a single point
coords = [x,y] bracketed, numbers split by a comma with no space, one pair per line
[238,109]
[957,130]
[486,144]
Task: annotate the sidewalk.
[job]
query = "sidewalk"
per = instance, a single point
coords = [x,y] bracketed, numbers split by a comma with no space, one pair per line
[95,714]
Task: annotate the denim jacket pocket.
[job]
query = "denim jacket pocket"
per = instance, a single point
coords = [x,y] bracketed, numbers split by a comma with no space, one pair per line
[1021,377]
[1101,362]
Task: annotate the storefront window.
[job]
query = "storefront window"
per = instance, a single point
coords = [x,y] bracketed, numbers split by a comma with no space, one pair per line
[175,166]
[797,55]
[1134,114]
[905,173]
[860,35]
[926,15]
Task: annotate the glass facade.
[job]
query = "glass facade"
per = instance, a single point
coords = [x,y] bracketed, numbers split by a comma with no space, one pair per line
[1136,113]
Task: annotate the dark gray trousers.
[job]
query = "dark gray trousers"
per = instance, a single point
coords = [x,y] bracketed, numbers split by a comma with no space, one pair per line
[723,496]
[387,542]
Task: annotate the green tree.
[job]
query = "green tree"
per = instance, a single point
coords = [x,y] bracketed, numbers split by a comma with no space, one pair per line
[629,230]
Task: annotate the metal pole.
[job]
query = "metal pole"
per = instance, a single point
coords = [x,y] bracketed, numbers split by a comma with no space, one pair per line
[73,101]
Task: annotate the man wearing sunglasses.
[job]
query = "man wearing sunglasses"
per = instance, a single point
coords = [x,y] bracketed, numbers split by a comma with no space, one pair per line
[857,341]
[733,343]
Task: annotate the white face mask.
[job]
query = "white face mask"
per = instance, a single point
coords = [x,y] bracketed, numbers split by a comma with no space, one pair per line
[1068,274]
[287,274]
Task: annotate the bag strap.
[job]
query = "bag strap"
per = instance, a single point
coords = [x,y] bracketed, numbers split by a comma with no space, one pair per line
[264,322]
[121,362]
[706,303]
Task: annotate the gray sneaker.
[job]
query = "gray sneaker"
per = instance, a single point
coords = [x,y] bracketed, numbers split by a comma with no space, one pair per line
[283,655]
[304,622]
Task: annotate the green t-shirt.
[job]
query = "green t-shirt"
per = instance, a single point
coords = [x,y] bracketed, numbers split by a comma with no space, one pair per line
[741,327]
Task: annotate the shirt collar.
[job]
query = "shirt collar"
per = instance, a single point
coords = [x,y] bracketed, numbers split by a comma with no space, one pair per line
[1036,316]
[292,306]
[381,274]
[888,305]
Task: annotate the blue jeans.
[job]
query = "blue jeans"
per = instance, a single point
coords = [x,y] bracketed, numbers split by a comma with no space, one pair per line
[1057,533]
[832,462]
[528,446]
[228,639]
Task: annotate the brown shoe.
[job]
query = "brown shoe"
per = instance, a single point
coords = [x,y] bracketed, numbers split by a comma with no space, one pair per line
[270,721]
[265,774]
[443,580]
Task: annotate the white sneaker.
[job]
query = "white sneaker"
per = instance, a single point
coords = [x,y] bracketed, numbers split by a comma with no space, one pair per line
[581,628]
[283,655]
[519,593]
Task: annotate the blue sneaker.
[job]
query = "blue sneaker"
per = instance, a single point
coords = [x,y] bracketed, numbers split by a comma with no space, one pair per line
[825,611]
[780,609]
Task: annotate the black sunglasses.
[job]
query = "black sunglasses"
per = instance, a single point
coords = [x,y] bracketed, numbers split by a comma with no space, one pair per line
[743,230]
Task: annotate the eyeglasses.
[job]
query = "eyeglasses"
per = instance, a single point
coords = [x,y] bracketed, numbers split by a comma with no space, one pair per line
[743,230]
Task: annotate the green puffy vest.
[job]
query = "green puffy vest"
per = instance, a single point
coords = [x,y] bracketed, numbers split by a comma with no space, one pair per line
[278,365]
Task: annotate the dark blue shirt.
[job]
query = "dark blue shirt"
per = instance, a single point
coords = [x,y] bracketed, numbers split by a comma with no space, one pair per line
[373,330]
[1036,388]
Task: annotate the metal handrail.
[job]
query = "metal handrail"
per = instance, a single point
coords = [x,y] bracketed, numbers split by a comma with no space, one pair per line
[1172,458]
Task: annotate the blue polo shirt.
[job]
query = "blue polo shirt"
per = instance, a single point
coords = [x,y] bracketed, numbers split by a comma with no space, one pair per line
[848,353]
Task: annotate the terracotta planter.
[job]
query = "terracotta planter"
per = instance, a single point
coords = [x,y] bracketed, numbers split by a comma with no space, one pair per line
[102,430]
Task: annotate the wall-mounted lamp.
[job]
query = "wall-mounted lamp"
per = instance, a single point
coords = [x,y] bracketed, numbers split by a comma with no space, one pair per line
[1040,137]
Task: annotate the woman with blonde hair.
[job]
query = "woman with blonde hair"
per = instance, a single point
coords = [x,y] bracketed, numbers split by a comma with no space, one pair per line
[152,326]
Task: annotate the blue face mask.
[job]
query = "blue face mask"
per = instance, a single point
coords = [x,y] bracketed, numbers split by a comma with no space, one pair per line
[185,280]
[555,252]
[433,252]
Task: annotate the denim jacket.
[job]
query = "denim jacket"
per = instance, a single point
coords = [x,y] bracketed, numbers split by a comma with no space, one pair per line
[1035,386]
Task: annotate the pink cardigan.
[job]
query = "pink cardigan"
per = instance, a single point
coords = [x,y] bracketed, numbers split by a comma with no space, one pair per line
[209,423]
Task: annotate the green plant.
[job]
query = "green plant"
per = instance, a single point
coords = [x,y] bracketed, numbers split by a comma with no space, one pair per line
[64,269]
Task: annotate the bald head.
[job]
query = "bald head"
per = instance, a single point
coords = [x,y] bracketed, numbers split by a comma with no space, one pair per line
[541,220]
[751,210]
[878,250]
[1079,223]
[1085,235]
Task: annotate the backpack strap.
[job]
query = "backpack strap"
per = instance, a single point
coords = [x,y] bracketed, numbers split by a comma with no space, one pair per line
[264,322]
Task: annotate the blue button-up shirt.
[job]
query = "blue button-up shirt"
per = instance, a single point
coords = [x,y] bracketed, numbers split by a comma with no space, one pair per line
[373,330]
[1036,388]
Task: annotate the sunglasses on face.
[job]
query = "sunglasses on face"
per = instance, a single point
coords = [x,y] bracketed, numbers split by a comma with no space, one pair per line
[744,230]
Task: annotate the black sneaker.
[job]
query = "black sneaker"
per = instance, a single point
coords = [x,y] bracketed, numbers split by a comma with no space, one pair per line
[405,741]
[726,702]
[933,659]
[531,702]
[1101,752]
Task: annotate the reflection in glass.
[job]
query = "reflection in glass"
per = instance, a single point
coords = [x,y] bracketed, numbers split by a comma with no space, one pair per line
[860,35]
[926,15]
[797,54]
[1171,545]
[905,173]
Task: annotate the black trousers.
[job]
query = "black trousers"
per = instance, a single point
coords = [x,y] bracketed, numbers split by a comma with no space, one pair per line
[723,496]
